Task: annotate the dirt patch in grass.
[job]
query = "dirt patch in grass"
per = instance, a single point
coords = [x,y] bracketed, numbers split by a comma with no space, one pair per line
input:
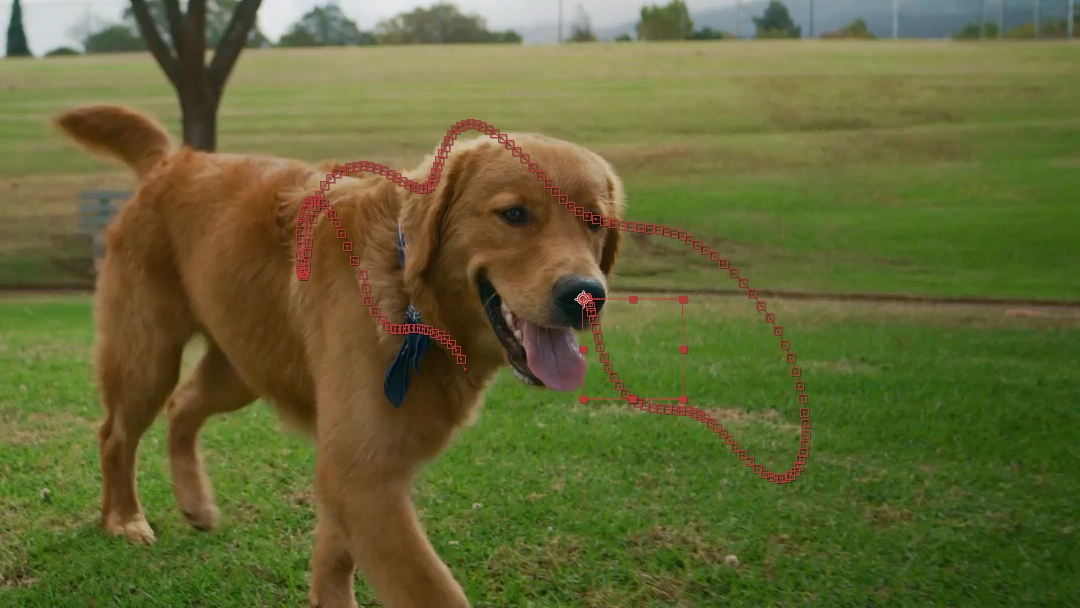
[767,418]
[43,195]
[637,157]
[1067,163]
[828,311]
[733,418]
[38,225]
[885,515]
[691,540]
[17,576]
[831,104]
[878,146]
[689,547]
[40,428]
[540,561]
[845,367]
[648,255]
[679,160]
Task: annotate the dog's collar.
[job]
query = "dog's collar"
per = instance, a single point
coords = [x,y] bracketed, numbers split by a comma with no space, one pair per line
[411,353]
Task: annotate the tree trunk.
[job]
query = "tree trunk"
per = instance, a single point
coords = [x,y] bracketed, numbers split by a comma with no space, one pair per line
[199,123]
[198,86]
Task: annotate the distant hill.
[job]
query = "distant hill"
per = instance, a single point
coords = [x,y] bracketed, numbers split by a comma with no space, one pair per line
[918,18]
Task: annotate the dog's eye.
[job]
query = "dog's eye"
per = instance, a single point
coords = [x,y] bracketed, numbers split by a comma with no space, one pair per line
[515,216]
[594,226]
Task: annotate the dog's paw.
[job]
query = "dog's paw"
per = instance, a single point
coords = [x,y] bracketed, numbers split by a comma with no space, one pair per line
[204,517]
[136,530]
[347,602]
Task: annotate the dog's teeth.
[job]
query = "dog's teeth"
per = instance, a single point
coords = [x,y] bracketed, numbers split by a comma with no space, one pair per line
[520,336]
[522,377]
[507,315]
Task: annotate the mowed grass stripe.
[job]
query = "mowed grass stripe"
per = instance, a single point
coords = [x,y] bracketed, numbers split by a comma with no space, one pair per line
[921,168]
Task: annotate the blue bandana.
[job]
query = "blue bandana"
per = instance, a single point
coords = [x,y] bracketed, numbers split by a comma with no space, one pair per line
[411,353]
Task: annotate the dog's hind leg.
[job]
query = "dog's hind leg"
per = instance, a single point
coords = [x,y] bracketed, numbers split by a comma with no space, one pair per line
[142,324]
[213,388]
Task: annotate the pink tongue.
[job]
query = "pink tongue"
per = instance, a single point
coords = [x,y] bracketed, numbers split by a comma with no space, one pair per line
[553,357]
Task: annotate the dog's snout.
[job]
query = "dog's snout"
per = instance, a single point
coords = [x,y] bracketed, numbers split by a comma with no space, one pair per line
[566,294]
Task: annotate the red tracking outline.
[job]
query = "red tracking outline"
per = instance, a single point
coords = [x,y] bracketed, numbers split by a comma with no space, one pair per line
[584,298]
[314,204]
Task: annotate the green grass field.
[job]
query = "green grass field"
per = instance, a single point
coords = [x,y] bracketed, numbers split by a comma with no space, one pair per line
[941,474]
[921,168]
[944,437]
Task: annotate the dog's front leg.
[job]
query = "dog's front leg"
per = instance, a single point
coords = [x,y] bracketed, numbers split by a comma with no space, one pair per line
[332,567]
[373,526]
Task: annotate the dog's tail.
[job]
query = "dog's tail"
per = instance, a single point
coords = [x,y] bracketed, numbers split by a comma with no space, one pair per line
[118,132]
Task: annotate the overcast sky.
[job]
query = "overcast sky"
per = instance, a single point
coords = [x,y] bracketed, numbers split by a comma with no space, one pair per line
[50,23]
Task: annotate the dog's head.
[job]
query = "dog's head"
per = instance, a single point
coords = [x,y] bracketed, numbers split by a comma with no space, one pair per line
[506,261]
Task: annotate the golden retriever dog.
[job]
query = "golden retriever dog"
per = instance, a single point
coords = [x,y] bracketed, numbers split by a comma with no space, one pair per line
[207,246]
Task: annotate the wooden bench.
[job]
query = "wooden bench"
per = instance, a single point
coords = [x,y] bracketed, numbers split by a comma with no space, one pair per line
[95,211]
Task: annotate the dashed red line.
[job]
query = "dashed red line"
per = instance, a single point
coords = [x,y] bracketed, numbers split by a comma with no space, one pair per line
[317,203]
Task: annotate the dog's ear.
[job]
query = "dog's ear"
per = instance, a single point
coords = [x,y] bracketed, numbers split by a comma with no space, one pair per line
[616,196]
[426,220]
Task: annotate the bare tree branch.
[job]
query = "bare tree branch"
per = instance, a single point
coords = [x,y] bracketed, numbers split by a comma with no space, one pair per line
[193,59]
[161,52]
[232,43]
[196,21]
[176,25]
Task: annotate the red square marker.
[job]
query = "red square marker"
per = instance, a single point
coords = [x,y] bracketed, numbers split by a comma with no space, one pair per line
[682,398]
[583,399]
[683,299]
[632,398]
[633,299]
[583,349]
[682,350]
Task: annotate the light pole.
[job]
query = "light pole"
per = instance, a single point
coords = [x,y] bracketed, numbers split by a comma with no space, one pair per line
[560,21]
[738,18]
[1071,18]
[1037,15]
[895,19]
[982,19]
[1001,22]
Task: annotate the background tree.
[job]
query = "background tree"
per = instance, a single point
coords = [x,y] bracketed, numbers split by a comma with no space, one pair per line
[1048,28]
[116,38]
[62,51]
[972,31]
[776,22]
[325,26]
[669,22]
[708,33]
[857,29]
[581,30]
[218,14]
[199,86]
[441,23]
[16,35]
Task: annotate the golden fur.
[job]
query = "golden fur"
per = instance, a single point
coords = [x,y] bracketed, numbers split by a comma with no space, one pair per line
[205,246]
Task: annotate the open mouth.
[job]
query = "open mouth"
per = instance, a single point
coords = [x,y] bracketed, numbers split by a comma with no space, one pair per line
[538,355]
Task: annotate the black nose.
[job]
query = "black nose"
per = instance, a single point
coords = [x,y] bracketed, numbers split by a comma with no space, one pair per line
[568,308]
